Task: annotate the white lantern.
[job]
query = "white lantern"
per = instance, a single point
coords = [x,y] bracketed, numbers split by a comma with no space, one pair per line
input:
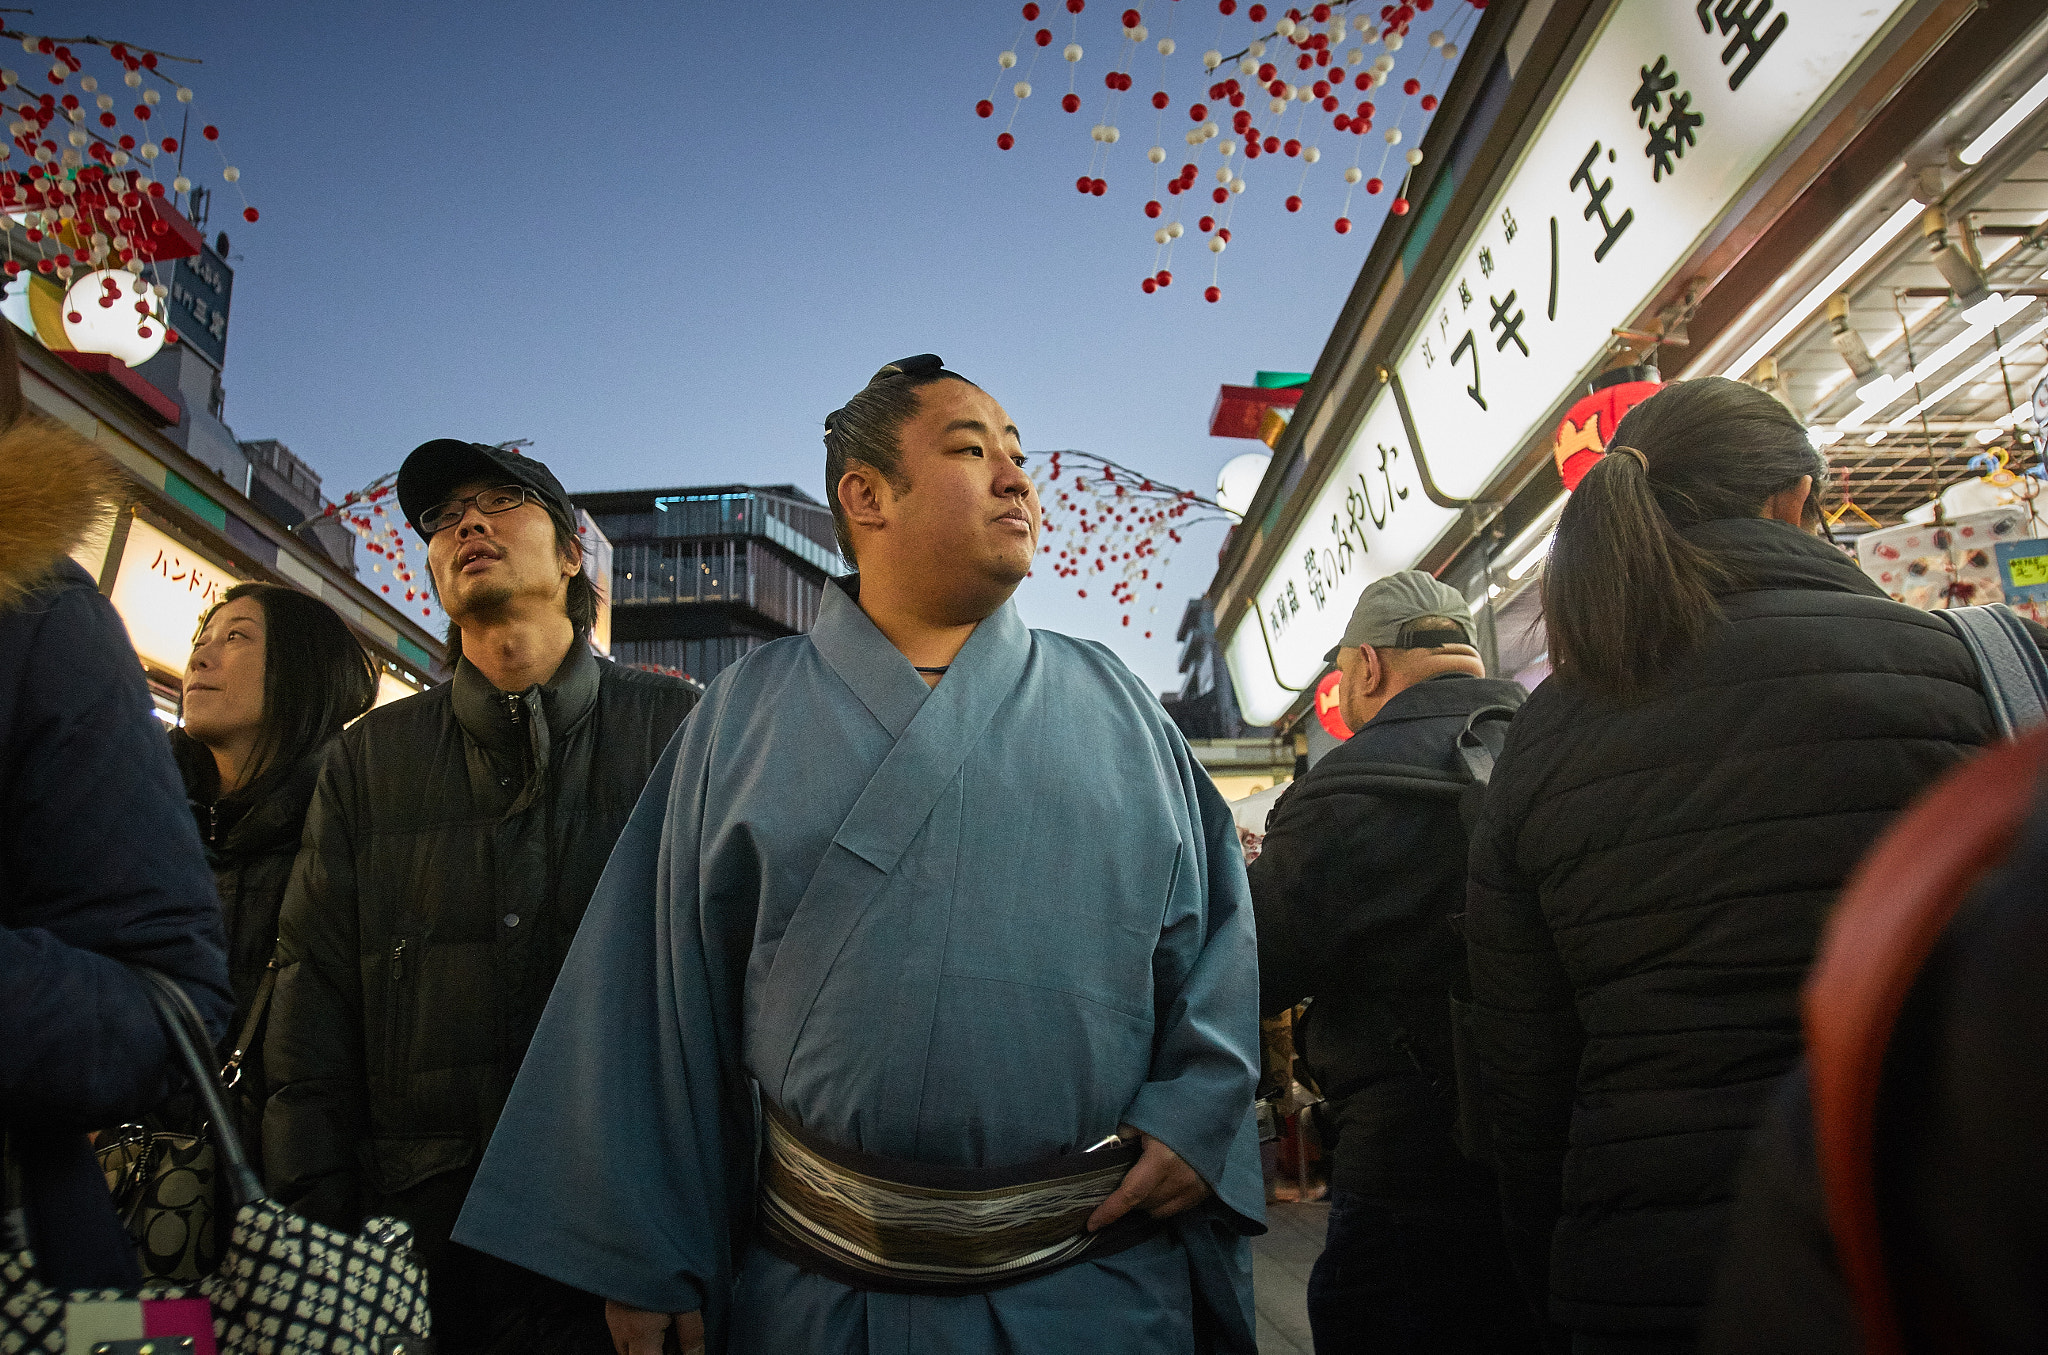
[118,328]
[1238,483]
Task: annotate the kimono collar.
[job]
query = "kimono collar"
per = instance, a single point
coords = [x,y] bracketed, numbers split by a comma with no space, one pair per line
[854,648]
[486,714]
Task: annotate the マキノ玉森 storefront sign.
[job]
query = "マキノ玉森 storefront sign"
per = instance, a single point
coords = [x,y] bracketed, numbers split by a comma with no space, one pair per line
[1674,108]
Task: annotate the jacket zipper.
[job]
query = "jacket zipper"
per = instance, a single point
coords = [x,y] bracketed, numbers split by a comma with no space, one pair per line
[394,1057]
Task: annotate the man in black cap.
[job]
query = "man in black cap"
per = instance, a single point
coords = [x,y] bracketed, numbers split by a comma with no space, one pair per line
[451,848]
[1362,868]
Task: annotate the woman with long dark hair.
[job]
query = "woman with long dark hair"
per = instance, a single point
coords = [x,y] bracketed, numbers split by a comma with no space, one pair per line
[1735,713]
[274,675]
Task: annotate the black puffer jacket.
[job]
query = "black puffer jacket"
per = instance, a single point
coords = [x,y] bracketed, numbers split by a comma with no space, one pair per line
[453,843]
[1354,890]
[1647,889]
[251,847]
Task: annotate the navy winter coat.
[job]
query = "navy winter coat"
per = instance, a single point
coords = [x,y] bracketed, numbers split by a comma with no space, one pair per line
[100,866]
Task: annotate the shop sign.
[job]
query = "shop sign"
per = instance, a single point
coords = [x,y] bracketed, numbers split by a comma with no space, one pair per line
[162,590]
[1673,109]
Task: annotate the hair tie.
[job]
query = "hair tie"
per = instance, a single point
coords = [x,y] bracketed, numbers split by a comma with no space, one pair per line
[1641,460]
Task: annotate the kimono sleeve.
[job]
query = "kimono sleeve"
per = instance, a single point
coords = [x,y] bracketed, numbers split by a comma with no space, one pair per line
[620,1150]
[1205,1065]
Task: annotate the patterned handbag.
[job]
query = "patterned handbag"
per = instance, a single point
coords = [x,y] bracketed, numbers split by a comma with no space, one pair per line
[287,1286]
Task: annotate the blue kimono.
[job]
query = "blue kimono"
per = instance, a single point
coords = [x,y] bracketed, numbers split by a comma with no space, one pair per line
[972,925]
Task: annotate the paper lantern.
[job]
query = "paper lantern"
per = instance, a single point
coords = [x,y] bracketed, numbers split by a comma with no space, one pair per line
[100,316]
[1329,710]
[1582,435]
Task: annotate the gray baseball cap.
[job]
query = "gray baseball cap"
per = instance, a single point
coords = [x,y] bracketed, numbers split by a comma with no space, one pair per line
[1387,606]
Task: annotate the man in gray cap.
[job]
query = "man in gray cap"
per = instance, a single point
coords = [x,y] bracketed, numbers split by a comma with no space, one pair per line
[452,846]
[1362,870]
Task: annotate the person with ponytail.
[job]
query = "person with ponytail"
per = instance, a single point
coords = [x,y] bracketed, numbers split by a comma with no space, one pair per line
[1735,713]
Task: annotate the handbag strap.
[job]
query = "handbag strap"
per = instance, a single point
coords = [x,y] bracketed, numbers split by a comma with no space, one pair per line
[231,1071]
[2013,673]
[187,1032]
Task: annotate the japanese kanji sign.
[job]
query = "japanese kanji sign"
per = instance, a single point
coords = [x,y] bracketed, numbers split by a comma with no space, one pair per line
[161,591]
[1674,108]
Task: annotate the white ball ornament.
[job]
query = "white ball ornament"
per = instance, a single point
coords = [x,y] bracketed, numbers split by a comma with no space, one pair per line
[1437,39]
[105,101]
[1310,155]
[1006,59]
[147,150]
[1215,244]
[120,158]
[1305,95]
[1353,174]
[1211,59]
[185,95]
[181,184]
[1450,51]
[1237,185]
[1135,34]
[231,174]
[1157,155]
[1415,156]
[1354,56]
[133,79]
[1174,232]
[1276,105]
[1383,63]
[77,137]
[1160,237]
[1362,24]
[1394,42]
[150,96]
[1285,27]
[1072,52]
[1227,149]
[1257,47]
[1393,136]
[1112,136]
[1022,89]
[1166,47]
[1248,66]
[1223,175]
[1380,78]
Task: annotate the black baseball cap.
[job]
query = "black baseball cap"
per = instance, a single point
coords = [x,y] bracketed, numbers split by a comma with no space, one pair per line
[435,470]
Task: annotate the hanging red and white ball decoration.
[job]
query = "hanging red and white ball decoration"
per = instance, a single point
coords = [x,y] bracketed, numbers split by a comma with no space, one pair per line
[1293,69]
[372,513]
[1112,529]
[79,173]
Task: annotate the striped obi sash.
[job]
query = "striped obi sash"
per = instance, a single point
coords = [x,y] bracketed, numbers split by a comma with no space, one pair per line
[901,1227]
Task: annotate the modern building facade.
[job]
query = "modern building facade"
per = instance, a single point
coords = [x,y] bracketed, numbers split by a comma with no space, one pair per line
[702,575]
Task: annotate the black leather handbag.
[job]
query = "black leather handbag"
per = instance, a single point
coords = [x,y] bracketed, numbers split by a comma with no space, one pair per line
[285,1285]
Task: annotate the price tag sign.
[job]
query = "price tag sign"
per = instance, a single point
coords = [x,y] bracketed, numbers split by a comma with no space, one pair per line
[2025,567]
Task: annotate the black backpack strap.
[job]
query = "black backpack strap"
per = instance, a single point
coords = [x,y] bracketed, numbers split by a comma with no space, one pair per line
[1480,742]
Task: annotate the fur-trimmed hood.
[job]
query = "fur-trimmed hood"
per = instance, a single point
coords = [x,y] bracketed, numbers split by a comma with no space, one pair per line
[54,489]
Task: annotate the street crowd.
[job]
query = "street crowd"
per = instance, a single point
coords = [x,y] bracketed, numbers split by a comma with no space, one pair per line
[901,992]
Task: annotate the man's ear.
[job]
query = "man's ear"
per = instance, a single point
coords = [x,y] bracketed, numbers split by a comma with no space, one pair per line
[1373,669]
[571,559]
[862,495]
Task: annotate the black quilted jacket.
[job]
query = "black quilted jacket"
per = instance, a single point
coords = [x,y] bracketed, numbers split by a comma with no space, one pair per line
[453,843]
[1647,887]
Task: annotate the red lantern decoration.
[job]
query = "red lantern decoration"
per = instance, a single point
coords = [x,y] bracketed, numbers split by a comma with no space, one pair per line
[1582,436]
[1329,712]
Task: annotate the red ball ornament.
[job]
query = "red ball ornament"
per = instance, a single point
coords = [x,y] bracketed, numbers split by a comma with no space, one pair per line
[1400,207]
[1267,72]
[1005,141]
[1043,37]
[108,120]
[1160,101]
[1197,112]
[1257,14]
[984,109]
[1342,122]
[1294,204]
[1075,6]
[1083,184]
[248,214]
[1221,195]
[1411,86]
[1149,286]
[1321,89]
[1213,294]
[1072,103]
[1330,104]
[1429,103]
[1321,14]
[75,318]
[170,336]
[1272,145]
[1132,18]
[1374,185]
[1293,148]
[1100,187]
[1165,280]
[1030,13]
[1206,224]
[1343,225]
[142,112]
[212,133]
[1174,189]
[1153,209]
[1363,82]
[1360,126]
[1224,235]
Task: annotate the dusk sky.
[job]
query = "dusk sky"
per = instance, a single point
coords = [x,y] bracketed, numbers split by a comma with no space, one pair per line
[662,241]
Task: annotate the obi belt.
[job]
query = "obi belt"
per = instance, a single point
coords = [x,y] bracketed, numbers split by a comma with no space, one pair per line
[901,1227]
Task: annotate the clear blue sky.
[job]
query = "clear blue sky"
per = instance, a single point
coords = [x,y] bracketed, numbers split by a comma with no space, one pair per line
[663,240]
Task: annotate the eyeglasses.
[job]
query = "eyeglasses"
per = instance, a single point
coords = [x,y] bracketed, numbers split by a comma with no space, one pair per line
[498,499]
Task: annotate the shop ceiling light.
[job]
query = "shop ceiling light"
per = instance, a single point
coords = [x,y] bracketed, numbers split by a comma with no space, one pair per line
[1533,558]
[1532,543]
[1881,393]
[2021,109]
[1825,288]
[2012,349]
